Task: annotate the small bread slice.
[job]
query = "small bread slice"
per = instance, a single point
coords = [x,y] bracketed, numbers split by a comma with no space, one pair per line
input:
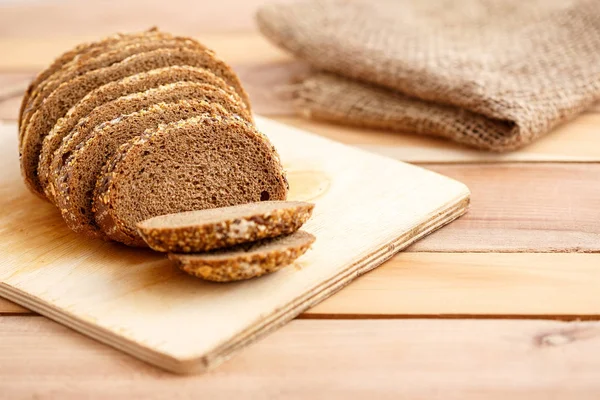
[245,261]
[194,164]
[205,230]
[70,93]
[111,91]
[87,49]
[80,172]
[129,104]
[100,57]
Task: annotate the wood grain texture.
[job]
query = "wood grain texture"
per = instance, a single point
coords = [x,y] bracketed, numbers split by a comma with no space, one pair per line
[12,86]
[464,284]
[7,307]
[524,208]
[380,359]
[473,285]
[137,301]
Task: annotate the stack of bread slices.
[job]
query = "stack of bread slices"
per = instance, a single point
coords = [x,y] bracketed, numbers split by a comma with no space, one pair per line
[141,125]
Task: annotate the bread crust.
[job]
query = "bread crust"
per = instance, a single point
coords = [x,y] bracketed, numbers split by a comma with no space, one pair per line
[229,231]
[242,264]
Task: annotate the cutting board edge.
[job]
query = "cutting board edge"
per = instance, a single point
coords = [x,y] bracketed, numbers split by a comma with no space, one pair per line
[103,335]
[328,288]
[201,363]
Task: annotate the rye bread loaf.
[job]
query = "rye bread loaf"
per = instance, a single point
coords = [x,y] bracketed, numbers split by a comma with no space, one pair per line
[111,91]
[69,93]
[80,67]
[80,171]
[82,50]
[198,163]
[245,261]
[80,61]
[205,230]
[135,102]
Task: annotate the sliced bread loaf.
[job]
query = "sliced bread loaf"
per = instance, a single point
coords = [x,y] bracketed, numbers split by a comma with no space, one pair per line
[205,230]
[245,261]
[129,104]
[80,172]
[69,93]
[202,162]
[80,67]
[111,91]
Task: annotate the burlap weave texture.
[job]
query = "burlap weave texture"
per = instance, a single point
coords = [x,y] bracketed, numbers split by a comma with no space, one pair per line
[493,74]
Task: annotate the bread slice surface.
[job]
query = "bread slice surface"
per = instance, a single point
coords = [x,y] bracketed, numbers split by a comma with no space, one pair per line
[198,163]
[111,91]
[131,103]
[81,170]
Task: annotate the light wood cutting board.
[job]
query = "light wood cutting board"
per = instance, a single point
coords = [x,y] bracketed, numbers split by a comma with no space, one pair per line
[367,208]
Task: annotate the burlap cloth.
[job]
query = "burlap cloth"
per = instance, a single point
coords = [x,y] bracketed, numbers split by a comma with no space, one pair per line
[493,74]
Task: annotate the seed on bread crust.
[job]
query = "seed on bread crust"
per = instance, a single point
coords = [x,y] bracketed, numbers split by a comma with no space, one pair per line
[244,261]
[205,230]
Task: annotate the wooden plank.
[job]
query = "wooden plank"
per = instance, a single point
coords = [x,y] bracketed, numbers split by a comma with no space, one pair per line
[523,208]
[575,141]
[101,17]
[472,284]
[381,359]
[8,307]
[465,284]
[137,301]
[12,86]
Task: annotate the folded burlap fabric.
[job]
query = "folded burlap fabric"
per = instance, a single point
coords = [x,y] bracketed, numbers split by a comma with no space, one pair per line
[493,74]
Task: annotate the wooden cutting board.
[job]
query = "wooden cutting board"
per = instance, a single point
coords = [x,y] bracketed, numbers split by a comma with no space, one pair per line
[367,208]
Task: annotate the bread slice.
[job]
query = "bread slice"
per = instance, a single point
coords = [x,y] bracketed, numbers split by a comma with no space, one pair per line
[201,162]
[111,91]
[75,69]
[71,92]
[131,103]
[89,49]
[245,261]
[80,172]
[205,230]
[79,62]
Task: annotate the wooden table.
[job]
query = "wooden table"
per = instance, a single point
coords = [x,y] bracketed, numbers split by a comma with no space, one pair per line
[504,303]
